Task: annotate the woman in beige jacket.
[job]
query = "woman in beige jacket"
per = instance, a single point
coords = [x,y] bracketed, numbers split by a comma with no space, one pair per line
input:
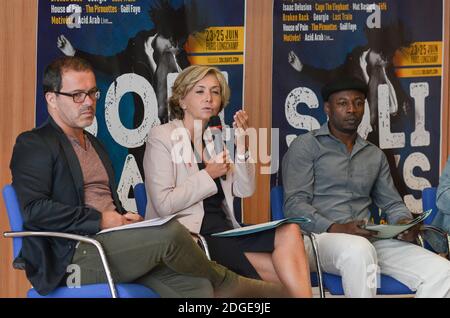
[184,175]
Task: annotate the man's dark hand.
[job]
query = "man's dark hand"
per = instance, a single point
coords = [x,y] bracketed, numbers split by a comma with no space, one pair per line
[411,234]
[354,228]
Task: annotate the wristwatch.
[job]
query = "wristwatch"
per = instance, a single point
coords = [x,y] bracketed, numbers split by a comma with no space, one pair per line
[243,157]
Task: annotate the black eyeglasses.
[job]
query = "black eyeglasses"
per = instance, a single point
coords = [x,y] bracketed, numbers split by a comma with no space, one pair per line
[80,97]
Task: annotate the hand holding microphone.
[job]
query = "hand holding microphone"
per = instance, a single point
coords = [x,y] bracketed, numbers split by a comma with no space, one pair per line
[215,126]
[219,165]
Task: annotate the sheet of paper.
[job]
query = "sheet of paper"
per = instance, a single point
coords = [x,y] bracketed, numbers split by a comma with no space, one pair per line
[260,227]
[386,231]
[146,223]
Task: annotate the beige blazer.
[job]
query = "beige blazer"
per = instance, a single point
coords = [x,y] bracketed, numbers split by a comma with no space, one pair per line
[174,184]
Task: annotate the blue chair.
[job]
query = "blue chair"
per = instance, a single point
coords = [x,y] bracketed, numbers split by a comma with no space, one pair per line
[429,203]
[333,283]
[85,291]
[141,198]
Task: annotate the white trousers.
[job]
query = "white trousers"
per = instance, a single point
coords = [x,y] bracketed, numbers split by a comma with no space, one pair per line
[356,259]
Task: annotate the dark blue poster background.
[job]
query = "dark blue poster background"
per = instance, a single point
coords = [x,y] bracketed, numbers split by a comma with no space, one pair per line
[112,35]
[315,41]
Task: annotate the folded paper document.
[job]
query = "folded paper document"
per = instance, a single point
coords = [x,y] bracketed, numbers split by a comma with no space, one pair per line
[146,223]
[260,227]
[386,231]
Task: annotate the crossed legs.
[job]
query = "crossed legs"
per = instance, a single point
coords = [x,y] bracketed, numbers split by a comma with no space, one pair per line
[174,264]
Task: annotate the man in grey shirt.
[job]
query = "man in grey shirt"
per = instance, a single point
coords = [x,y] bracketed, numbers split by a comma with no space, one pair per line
[332,176]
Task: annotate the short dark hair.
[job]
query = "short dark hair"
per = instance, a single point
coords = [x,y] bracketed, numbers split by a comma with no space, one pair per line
[52,80]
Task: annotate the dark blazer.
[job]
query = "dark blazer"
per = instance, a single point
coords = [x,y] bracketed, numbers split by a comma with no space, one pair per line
[49,183]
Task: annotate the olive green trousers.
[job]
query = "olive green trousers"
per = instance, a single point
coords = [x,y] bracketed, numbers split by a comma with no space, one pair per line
[164,258]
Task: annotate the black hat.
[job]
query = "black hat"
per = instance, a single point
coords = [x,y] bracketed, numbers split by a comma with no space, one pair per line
[343,84]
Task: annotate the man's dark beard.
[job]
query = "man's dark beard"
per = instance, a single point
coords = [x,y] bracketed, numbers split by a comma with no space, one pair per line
[348,131]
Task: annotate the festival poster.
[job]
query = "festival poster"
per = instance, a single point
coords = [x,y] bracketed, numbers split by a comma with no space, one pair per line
[395,46]
[136,48]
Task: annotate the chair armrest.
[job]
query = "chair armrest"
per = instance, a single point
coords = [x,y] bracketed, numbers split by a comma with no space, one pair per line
[445,236]
[434,229]
[75,238]
[202,242]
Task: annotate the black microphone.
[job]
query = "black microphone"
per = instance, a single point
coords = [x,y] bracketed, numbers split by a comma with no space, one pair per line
[215,126]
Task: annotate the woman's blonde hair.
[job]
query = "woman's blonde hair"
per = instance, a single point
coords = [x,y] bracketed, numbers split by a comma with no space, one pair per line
[187,79]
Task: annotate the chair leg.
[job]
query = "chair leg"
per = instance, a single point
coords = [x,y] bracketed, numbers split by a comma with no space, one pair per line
[317,259]
[420,240]
[109,278]
[202,242]
[448,246]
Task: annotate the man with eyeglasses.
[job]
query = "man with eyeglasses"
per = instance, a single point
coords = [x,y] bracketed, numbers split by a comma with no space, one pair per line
[65,183]
[79,97]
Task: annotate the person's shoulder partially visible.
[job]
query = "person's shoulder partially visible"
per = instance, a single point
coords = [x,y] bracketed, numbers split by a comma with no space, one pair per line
[37,145]
[162,131]
[168,133]
[305,142]
[44,134]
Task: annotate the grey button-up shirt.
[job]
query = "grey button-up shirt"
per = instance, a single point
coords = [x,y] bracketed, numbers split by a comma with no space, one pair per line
[326,183]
